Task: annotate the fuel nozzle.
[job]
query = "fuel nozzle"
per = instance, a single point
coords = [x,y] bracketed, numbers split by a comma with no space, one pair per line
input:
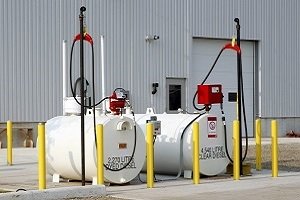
[84,26]
[233,41]
[86,36]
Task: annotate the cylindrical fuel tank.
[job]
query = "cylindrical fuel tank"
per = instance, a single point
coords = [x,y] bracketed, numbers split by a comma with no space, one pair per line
[212,155]
[121,141]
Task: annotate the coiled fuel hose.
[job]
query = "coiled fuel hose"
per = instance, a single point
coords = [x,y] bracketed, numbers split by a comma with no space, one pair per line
[235,47]
[89,39]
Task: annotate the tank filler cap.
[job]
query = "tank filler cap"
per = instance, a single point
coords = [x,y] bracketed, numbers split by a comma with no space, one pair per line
[123,126]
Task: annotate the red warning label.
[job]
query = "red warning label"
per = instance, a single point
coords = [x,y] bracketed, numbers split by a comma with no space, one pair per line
[212,127]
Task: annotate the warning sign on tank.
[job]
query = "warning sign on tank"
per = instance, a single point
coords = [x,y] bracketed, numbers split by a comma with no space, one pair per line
[216,152]
[212,127]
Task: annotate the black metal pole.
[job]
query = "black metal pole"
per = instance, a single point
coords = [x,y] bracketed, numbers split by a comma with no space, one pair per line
[81,16]
[239,66]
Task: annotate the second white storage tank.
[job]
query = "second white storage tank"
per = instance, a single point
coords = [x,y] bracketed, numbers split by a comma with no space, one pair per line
[213,159]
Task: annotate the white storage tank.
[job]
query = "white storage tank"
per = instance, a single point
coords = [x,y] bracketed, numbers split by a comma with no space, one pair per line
[121,141]
[213,159]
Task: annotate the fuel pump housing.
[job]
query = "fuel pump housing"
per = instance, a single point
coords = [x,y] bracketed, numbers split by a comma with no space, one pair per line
[209,94]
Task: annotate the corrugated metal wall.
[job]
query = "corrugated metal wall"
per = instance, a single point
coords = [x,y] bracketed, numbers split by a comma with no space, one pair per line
[30,58]
[32,33]
[130,61]
[275,25]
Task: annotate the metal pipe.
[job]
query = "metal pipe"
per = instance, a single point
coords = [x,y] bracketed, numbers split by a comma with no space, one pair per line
[150,157]
[196,165]
[9,142]
[81,18]
[102,72]
[64,74]
[42,160]
[236,151]
[100,168]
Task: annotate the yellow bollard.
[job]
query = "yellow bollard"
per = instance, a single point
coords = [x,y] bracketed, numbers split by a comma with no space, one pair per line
[236,151]
[274,148]
[9,142]
[196,170]
[150,165]
[100,168]
[41,152]
[258,144]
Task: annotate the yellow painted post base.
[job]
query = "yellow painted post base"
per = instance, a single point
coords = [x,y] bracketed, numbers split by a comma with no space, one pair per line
[150,155]
[41,156]
[274,136]
[236,152]
[9,142]
[246,169]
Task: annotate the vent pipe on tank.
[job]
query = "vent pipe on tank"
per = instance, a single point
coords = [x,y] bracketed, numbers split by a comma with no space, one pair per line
[102,73]
[64,51]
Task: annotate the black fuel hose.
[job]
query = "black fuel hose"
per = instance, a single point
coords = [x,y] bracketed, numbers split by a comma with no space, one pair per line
[133,151]
[180,149]
[223,115]
[244,113]
[206,77]
[96,104]
[225,133]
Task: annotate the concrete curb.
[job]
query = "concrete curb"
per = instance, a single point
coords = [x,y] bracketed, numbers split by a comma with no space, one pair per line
[57,193]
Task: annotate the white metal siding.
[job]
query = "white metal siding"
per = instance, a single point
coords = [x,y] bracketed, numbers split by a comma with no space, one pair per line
[275,25]
[31,82]
[32,33]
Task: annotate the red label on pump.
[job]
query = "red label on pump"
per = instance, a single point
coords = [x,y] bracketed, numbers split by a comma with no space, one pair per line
[212,127]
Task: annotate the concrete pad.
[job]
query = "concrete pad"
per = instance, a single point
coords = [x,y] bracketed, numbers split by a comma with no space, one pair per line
[57,193]
[259,186]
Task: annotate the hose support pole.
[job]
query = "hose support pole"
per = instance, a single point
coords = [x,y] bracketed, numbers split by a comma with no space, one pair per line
[239,66]
[81,18]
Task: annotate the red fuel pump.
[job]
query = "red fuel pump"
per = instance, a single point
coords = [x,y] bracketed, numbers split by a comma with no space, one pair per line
[116,103]
[210,94]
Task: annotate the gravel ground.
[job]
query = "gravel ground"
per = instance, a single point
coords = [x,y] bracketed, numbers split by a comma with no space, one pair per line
[288,157]
[288,160]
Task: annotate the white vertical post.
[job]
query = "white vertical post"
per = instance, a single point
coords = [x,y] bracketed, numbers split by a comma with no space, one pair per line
[64,73]
[102,72]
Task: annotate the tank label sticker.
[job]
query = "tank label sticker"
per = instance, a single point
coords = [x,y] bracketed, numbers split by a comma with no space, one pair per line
[117,162]
[216,152]
[211,127]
